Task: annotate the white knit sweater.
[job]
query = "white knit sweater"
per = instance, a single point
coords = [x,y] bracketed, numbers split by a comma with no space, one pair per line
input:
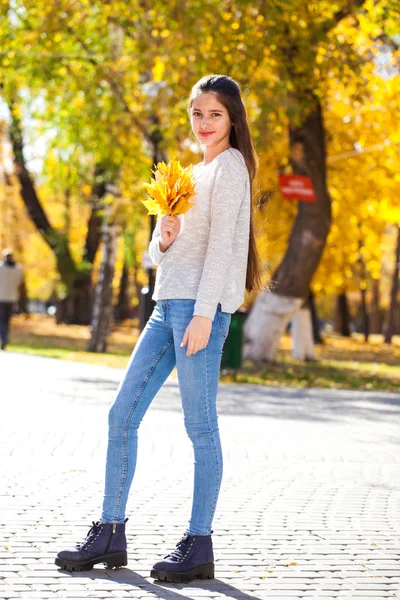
[207,262]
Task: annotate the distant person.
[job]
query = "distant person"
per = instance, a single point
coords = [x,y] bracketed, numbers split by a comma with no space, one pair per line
[10,282]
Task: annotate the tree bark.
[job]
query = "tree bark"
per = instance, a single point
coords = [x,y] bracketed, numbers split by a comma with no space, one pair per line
[93,235]
[342,315]
[364,314]
[102,308]
[266,324]
[122,308]
[314,319]
[23,299]
[76,307]
[80,298]
[292,278]
[363,291]
[391,326]
[375,312]
[302,336]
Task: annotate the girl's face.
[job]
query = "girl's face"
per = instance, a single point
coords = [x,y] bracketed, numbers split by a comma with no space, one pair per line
[210,121]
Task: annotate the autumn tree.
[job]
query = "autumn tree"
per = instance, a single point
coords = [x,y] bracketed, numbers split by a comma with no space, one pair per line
[321,45]
[66,75]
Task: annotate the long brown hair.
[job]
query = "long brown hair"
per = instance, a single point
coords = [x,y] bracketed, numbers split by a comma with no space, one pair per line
[228,93]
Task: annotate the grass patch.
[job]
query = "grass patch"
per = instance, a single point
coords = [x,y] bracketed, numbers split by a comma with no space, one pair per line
[40,335]
[342,363]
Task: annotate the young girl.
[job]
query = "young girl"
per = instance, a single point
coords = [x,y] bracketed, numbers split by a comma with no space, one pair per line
[203,270]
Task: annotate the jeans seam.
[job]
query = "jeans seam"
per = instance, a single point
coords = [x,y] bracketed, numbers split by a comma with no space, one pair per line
[128,419]
[212,435]
[220,325]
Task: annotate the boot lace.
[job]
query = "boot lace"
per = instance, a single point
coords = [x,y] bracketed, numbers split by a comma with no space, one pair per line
[181,549]
[91,534]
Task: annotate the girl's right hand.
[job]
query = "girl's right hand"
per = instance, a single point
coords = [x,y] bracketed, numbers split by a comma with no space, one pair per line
[170,227]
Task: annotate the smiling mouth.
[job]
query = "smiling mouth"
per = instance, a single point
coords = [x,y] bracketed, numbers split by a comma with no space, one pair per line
[206,132]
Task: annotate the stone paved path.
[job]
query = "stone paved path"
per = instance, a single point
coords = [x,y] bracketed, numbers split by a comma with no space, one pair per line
[310,505]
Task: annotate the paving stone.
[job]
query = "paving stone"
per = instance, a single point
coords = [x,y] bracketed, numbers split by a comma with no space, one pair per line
[371,594]
[65,595]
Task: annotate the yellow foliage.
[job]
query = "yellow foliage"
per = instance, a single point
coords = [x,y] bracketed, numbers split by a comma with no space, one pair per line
[363,160]
[158,69]
[18,232]
[171,189]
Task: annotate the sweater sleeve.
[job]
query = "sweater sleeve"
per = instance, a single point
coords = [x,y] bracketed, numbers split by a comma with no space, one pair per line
[230,187]
[154,247]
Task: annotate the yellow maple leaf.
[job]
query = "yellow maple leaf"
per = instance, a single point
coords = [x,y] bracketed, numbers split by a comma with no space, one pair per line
[170,190]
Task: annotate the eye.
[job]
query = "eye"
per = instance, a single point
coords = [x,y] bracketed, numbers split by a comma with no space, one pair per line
[196,113]
[216,114]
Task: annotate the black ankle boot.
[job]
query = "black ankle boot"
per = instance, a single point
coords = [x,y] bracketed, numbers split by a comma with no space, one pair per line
[104,543]
[192,558]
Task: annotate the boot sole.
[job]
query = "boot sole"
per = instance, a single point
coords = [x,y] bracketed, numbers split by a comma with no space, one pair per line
[113,561]
[202,572]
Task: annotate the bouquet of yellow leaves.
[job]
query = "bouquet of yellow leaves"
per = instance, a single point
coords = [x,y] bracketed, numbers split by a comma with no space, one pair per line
[171,189]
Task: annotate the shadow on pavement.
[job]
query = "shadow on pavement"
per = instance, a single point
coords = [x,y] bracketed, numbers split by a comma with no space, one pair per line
[91,384]
[308,404]
[161,589]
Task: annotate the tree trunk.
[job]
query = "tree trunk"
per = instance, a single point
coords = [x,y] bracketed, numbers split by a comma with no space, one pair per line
[364,314]
[23,299]
[122,308]
[342,315]
[291,281]
[17,243]
[76,306]
[314,319]
[375,313]
[56,240]
[302,335]
[102,308]
[269,311]
[93,235]
[363,291]
[391,326]
[79,302]
[103,303]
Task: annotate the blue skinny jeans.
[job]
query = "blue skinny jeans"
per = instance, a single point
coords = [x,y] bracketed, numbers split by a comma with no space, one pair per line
[154,357]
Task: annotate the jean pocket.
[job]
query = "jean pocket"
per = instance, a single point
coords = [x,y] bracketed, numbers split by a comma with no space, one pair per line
[224,320]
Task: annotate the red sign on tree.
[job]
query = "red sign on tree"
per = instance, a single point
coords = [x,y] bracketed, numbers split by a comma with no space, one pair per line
[297,187]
